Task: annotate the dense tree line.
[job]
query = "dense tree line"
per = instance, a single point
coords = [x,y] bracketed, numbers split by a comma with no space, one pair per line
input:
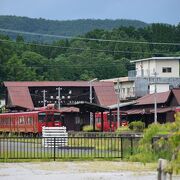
[84,59]
[68,27]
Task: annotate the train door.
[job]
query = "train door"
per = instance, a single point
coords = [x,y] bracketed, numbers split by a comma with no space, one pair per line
[41,120]
[58,119]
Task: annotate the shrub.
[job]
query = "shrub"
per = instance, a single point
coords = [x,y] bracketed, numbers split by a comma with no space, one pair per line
[89,128]
[137,126]
[123,129]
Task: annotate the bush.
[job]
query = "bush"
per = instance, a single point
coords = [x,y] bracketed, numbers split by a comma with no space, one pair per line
[89,128]
[137,126]
[123,129]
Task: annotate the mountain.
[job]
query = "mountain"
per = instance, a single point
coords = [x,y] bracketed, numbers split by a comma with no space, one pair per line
[64,28]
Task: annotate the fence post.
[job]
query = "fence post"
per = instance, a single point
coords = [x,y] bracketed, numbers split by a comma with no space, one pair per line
[162,164]
[121,147]
[54,149]
[131,145]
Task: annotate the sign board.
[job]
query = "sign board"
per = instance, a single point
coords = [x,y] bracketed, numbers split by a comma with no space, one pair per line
[54,136]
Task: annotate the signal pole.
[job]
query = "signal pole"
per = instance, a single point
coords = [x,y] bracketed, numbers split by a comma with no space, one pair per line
[155,98]
[118,104]
[59,97]
[90,97]
[44,97]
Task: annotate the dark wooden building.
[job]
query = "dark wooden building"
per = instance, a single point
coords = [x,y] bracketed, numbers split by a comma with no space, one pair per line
[26,96]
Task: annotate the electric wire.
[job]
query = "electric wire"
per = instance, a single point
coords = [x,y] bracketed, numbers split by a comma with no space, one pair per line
[89,39]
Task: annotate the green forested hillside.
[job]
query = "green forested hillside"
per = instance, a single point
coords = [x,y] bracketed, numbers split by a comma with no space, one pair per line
[77,59]
[68,28]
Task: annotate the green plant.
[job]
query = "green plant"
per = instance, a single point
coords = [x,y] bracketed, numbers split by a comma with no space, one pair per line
[123,129]
[89,128]
[137,126]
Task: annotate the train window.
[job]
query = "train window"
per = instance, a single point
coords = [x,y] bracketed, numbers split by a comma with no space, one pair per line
[21,120]
[7,120]
[98,119]
[57,116]
[30,120]
[41,117]
[49,117]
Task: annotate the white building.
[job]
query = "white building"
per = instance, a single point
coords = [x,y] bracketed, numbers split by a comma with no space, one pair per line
[126,87]
[142,80]
[163,66]
[167,70]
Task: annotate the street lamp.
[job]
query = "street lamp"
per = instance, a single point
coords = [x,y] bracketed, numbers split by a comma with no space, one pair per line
[90,96]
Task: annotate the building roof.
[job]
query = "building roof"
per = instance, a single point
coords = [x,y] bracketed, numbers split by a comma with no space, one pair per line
[115,106]
[54,83]
[20,97]
[156,58]
[19,94]
[121,79]
[89,107]
[176,93]
[105,95]
[150,111]
[149,98]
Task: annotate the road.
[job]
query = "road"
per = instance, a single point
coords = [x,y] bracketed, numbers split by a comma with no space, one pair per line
[78,170]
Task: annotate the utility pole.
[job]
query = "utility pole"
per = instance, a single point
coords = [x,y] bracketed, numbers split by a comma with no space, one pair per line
[118,104]
[90,97]
[59,97]
[44,97]
[155,98]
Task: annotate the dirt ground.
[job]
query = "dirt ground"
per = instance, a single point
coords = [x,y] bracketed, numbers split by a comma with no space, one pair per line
[78,170]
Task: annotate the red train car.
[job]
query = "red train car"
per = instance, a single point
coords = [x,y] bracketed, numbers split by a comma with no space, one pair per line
[30,122]
[106,118]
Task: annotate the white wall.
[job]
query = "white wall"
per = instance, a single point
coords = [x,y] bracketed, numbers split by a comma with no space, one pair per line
[160,88]
[126,89]
[2,103]
[173,64]
[147,68]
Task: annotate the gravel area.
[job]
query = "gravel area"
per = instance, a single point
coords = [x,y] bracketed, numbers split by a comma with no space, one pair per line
[78,170]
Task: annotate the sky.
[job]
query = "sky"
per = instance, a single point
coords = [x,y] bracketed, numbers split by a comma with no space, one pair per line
[149,11]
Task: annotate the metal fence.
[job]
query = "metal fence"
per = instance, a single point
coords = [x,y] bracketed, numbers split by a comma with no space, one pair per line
[78,146]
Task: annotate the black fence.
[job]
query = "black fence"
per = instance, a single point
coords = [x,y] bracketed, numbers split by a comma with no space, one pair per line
[99,145]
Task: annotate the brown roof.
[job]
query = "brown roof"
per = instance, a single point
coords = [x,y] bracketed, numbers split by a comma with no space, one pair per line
[54,83]
[149,98]
[151,110]
[105,95]
[20,96]
[176,93]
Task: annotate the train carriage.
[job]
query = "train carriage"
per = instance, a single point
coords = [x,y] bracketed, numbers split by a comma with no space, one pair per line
[106,118]
[30,122]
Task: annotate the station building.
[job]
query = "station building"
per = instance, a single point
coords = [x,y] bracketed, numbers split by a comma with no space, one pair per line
[27,96]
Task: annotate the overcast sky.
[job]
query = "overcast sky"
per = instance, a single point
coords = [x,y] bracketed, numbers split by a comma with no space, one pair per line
[165,11]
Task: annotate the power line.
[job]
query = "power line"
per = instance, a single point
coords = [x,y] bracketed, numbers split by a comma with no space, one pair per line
[89,39]
[86,49]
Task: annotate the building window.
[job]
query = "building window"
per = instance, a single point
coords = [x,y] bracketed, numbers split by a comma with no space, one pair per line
[166,69]
[128,91]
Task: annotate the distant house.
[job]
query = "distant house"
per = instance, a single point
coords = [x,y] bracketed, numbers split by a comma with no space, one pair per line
[166,104]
